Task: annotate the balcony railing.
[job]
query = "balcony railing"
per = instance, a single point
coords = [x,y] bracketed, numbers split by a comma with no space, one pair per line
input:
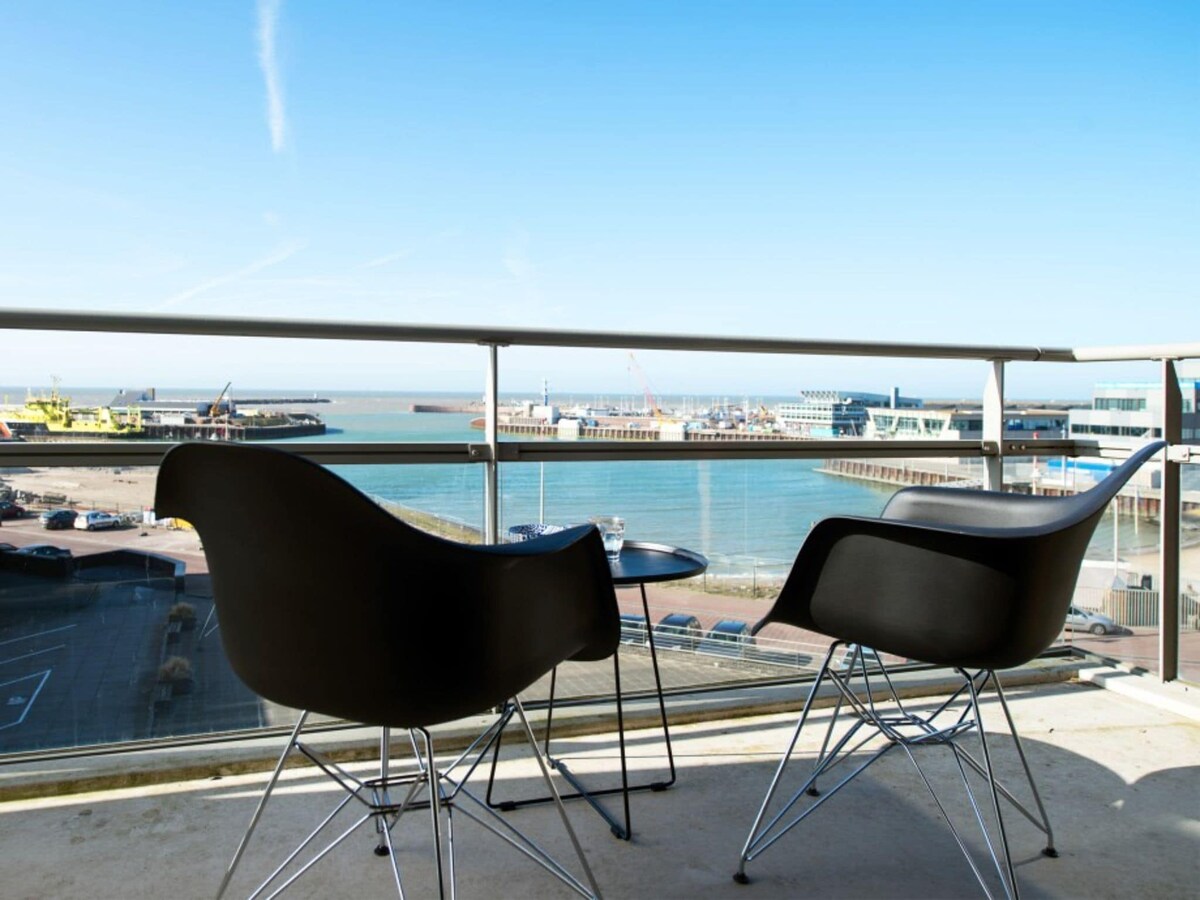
[1167,610]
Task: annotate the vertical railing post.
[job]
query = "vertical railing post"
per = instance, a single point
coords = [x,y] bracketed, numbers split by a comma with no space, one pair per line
[993,427]
[1169,522]
[491,434]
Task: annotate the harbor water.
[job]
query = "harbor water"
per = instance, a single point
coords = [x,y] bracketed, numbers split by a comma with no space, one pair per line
[745,515]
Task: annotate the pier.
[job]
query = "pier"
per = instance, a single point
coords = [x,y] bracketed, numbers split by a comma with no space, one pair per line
[904,473]
[278,401]
[298,426]
[571,429]
[473,406]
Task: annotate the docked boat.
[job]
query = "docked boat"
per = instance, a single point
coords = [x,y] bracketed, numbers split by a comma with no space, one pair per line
[144,417]
[52,417]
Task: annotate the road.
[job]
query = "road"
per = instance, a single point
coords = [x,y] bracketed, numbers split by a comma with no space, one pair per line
[1137,647]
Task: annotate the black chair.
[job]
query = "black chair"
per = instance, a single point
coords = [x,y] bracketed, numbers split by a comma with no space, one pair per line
[972,580]
[331,605]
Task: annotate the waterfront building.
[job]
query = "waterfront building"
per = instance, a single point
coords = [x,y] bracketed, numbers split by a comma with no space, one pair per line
[959,423]
[826,413]
[1131,412]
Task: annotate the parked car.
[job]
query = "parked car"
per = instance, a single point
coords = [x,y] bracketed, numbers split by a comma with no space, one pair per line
[1083,620]
[90,521]
[10,510]
[729,637]
[46,550]
[53,519]
[677,631]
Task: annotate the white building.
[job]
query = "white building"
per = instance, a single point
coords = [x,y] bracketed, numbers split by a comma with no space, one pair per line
[1131,412]
[960,423]
[822,414]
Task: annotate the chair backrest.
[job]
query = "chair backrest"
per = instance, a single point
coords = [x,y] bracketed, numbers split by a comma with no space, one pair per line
[328,602]
[950,576]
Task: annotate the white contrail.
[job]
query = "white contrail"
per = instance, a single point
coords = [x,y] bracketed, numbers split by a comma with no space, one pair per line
[257,266]
[385,260]
[268,19]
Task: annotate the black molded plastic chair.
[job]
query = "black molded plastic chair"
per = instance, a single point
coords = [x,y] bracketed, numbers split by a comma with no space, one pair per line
[331,605]
[973,580]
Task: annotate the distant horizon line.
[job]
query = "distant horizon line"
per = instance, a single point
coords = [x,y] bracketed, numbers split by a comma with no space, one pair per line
[201,393]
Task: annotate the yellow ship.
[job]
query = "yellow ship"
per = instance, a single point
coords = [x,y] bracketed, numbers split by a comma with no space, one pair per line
[53,416]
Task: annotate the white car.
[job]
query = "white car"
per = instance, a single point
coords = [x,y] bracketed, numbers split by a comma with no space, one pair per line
[90,521]
[1082,620]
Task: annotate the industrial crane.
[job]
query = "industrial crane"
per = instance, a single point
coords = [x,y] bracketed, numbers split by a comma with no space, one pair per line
[214,408]
[651,402]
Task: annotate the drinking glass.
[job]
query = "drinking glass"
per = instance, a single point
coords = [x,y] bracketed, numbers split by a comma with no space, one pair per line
[612,530]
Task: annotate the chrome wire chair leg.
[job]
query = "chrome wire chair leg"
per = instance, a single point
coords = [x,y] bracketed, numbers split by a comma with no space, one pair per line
[375,797]
[1011,885]
[562,810]
[983,767]
[1044,824]
[332,845]
[962,846]
[450,862]
[434,806]
[813,790]
[756,831]
[1040,819]
[381,825]
[910,730]
[354,790]
[262,804]
[391,852]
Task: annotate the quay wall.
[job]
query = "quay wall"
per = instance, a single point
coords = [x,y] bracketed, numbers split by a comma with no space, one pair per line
[624,433]
[1144,501]
[231,432]
[445,407]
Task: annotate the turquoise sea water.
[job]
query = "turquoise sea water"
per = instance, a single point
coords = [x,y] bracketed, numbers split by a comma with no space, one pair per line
[759,509]
[744,513]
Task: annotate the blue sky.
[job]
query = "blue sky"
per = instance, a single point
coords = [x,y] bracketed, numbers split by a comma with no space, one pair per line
[1002,172]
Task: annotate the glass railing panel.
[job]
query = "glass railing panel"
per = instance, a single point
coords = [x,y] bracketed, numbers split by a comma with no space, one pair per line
[446,500]
[91,606]
[110,635]
[1189,575]
[1115,610]
[747,517]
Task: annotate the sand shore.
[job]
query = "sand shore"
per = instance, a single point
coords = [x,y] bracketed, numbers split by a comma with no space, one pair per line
[114,489]
[1189,565]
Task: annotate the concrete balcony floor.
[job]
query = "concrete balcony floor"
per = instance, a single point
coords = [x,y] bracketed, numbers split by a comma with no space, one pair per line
[1120,778]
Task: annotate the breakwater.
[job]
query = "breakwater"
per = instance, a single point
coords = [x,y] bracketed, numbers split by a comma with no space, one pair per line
[281,401]
[471,407]
[1143,501]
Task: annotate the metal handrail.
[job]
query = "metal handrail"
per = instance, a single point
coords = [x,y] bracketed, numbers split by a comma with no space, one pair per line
[325,329]
[148,453]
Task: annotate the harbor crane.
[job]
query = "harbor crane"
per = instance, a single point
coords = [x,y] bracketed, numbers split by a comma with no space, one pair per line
[214,408]
[651,402]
